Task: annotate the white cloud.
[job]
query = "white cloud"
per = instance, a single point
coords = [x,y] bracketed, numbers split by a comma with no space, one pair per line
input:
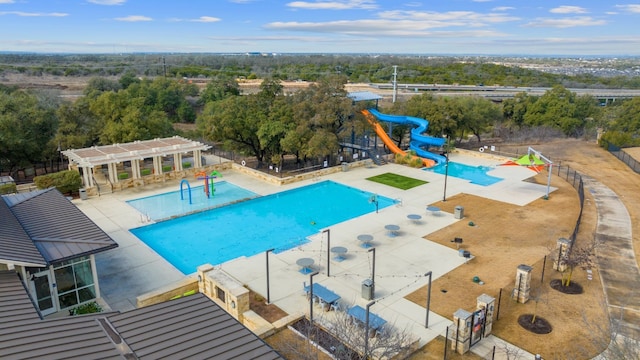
[566,22]
[382,27]
[30,14]
[6,1]
[451,18]
[206,19]
[632,8]
[503,8]
[107,2]
[334,5]
[413,4]
[565,9]
[134,18]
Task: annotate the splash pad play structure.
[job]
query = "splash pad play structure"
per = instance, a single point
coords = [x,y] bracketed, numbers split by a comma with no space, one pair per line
[209,188]
[419,143]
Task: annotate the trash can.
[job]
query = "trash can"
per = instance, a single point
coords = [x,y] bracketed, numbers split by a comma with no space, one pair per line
[367,289]
[458,212]
[345,166]
[83,193]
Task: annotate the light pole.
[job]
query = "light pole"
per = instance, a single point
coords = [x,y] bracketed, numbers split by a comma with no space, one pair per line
[268,293]
[446,168]
[60,153]
[366,330]
[328,231]
[373,272]
[311,296]
[426,323]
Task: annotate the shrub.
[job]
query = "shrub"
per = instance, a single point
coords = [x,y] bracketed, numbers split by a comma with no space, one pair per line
[186,165]
[88,308]
[8,189]
[166,168]
[67,181]
[145,172]
[123,176]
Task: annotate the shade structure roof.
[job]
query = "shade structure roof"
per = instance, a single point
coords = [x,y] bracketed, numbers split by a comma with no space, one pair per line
[137,150]
[363,96]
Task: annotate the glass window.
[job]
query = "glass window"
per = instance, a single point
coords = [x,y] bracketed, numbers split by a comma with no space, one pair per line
[74,279]
[220,294]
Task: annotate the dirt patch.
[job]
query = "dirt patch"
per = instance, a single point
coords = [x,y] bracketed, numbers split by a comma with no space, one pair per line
[269,312]
[572,289]
[535,324]
[505,236]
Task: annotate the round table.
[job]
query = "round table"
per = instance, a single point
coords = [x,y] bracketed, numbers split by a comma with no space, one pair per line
[392,229]
[305,264]
[366,240]
[414,217]
[339,251]
[433,209]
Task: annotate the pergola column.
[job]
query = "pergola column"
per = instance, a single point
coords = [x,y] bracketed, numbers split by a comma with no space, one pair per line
[197,159]
[177,162]
[135,168]
[86,176]
[113,172]
[157,165]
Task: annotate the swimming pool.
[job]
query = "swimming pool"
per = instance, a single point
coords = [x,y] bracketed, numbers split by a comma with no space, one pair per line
[475,174]
[172,204]
[279,221]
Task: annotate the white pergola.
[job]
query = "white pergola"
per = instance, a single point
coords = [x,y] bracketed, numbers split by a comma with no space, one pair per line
[135,152]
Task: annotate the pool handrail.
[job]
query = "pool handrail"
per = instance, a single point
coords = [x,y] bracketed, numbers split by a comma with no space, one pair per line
[184,181]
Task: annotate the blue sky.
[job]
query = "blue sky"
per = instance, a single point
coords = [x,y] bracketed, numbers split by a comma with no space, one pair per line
[492,27]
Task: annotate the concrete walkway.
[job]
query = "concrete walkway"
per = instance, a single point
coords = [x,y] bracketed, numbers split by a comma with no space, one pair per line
[617,264]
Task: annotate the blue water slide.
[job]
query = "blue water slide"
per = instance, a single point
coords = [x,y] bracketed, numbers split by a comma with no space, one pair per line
[419,142]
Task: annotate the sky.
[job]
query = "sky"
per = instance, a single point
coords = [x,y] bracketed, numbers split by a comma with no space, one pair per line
[432,27]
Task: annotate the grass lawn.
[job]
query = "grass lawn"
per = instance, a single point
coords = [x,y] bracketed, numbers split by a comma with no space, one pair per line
[397,181]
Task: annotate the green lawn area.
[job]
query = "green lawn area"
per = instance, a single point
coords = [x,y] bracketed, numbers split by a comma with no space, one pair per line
[397,181]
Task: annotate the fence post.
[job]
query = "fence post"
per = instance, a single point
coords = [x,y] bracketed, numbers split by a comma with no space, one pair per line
[498,308]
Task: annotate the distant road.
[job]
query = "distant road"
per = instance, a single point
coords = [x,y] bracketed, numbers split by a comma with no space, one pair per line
[497,92]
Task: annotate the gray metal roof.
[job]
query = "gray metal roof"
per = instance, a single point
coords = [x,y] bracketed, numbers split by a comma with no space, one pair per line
[15,244]
[59,230]
[363,96]
[192,327]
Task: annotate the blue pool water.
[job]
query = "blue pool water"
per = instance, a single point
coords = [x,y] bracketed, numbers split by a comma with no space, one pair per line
[280,221]
[475,174]
[172,204]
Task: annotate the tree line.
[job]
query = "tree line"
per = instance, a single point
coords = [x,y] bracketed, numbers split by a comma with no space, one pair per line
[309,124]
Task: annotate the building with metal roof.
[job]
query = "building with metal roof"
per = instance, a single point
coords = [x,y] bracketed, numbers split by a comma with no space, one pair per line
[52,244]
[191,327]
[134,154]
[358,96]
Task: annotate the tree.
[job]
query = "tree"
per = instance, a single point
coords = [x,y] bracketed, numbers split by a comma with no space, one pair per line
[27,125]
[577,257]
[219,88]
[478,115]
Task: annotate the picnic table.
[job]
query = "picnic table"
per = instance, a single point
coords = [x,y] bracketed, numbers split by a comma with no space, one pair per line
[339,251]
[325,295]
[359,314]
[415,218]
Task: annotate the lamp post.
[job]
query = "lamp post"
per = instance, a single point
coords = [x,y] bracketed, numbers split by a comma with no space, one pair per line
[268,293]
[328,232]
[311,296]
[373,272]
[366,330]
[446,168]
[60,153]
[426,323]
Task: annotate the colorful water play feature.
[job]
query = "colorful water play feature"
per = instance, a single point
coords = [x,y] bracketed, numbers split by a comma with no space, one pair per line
[475,174]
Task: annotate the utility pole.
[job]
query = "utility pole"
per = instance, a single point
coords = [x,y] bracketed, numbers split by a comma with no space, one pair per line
[164,66]
[395,82]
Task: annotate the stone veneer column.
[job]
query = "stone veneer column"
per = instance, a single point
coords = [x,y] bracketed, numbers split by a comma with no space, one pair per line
[462,331]
[487,304]
[523,284]
[562,248]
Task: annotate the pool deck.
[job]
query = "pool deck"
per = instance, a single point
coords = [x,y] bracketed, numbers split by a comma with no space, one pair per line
[401,261]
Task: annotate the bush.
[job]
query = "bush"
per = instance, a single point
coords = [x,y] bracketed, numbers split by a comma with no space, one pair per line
[10,188]
[145,172]
[123,176]
[67,181]
[88,308]
[166,168]
[186,165]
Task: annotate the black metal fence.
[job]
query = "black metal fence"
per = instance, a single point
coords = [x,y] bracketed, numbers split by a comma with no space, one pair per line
[622,155]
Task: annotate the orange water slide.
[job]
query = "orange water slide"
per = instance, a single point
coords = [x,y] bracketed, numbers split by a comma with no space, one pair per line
[382,134]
